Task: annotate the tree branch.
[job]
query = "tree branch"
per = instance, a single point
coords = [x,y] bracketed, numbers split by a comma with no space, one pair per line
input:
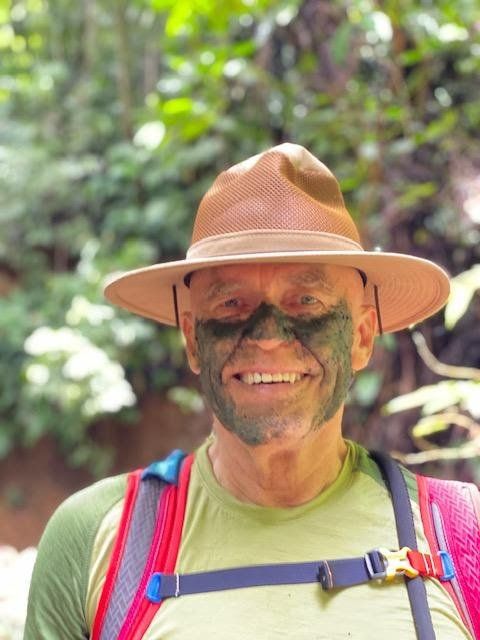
[440,368]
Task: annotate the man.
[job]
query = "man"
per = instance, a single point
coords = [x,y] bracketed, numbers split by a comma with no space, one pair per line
[279,305]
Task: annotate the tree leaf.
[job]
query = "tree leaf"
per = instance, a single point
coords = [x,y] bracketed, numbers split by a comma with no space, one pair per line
[463,288]
[429,425]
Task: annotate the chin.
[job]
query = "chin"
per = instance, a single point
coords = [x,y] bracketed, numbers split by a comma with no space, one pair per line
[285,431]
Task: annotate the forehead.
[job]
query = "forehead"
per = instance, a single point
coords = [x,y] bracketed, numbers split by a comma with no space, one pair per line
[261,275]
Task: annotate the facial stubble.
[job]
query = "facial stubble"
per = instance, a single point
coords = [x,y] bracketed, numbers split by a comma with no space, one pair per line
[327,338]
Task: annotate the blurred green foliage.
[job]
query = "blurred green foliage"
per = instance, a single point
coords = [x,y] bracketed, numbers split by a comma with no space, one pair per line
[116,115]
[453,402]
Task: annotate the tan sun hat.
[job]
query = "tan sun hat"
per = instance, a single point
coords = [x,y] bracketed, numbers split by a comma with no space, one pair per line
[283,205]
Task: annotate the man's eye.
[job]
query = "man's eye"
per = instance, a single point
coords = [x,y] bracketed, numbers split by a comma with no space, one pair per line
[308,300]
[231,302]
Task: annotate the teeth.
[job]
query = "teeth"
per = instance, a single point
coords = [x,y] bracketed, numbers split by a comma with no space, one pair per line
[257,378]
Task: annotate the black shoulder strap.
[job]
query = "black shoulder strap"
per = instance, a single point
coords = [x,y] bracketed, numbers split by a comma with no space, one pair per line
[402,508]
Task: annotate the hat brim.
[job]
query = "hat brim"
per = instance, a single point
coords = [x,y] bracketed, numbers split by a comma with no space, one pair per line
[409,289]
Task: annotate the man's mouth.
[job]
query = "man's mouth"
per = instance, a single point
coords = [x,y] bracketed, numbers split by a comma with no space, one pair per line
[269,378]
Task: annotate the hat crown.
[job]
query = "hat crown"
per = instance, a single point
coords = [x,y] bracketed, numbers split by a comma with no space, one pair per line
[285,188]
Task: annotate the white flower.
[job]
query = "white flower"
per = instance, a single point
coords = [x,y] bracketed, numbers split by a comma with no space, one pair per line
[15,574]
[47,340]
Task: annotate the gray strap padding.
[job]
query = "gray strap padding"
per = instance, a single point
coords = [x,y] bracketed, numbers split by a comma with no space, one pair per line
[137,548]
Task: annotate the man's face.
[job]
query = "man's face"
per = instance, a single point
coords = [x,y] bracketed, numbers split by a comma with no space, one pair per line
[273,344]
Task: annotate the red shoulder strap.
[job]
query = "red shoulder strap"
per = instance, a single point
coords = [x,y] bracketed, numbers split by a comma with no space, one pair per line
[164,552]
[451,520]
[133,483]
[148,537]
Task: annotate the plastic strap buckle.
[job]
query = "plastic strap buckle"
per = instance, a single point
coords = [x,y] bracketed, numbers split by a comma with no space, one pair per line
[447,564]
[397,562]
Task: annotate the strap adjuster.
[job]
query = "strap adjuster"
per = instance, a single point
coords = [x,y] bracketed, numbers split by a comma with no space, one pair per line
[154,588]
[376,565]
[447,564]
[324,575]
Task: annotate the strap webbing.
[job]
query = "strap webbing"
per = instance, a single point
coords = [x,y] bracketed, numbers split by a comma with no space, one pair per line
[330,573]
[377,564]
[402,508]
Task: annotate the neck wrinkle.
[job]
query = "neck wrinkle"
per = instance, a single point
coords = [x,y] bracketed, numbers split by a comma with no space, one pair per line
[278,474]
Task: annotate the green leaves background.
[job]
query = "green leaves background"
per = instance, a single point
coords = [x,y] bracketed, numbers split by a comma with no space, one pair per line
[116,116]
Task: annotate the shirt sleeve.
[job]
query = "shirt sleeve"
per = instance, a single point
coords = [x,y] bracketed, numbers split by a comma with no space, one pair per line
[56,603]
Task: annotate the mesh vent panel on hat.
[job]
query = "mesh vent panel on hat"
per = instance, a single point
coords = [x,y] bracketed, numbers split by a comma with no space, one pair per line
[272,193]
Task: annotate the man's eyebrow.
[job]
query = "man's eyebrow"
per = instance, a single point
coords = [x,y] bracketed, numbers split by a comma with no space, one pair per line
[312,277]
[218,289]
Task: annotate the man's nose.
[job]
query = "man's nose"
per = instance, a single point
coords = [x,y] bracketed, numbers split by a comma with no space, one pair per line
[269,328]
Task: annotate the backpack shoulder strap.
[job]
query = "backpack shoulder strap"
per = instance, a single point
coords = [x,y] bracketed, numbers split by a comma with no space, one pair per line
[407,537]
[130,500]
[151,522]
[451,520]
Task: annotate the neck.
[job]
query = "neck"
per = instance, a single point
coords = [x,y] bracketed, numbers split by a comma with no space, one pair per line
[278,474]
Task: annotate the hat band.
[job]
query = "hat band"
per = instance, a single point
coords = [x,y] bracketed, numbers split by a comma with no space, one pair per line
[269,241]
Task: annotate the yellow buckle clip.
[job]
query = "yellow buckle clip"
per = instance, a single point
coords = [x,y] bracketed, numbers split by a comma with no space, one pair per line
[397,562]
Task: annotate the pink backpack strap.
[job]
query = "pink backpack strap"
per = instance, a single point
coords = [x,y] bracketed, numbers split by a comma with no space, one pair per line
[148,536]
[451,520]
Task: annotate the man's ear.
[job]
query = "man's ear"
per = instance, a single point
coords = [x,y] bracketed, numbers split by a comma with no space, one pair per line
[188,330]
[364,337]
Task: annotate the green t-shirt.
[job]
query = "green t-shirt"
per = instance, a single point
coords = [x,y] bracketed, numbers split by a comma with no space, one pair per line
[352,516]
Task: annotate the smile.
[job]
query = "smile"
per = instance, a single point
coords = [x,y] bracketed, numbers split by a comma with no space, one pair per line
[269,378]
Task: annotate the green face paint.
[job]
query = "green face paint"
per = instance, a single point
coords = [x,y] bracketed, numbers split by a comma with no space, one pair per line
[319,343]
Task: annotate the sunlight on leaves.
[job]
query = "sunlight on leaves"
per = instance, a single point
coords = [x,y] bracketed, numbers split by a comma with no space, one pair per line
[436,397]
[463,288]
[430,425]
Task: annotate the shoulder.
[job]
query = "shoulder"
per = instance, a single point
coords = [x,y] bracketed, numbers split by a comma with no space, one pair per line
[60,578]
[84,509]
[365,463]
[74,525]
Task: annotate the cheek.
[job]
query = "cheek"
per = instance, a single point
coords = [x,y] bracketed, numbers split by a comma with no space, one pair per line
[212,351]
[318,340]
[329,337]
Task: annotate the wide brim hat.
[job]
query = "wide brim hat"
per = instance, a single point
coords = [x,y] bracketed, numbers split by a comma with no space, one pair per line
[282,206]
